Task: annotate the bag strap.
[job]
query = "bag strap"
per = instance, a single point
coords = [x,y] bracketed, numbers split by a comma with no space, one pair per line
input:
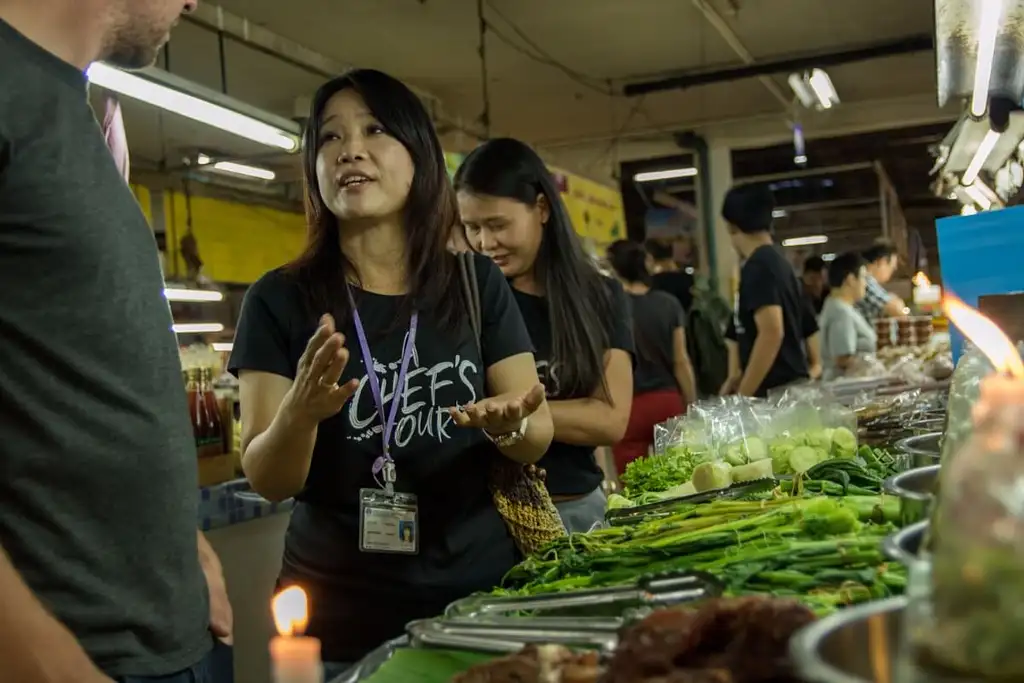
[471,291]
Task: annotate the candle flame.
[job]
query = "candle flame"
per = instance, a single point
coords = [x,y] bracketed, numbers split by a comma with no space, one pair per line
[986,335]
[291,611]
[921,280]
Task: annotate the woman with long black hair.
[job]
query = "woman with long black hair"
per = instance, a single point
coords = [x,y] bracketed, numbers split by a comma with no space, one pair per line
[578,319]
[362,388]
[663,380]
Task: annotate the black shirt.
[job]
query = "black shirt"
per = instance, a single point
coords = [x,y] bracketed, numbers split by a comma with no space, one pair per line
[768,279]
[98,495]
[677,283]
[362,599]
[571,469]
[656,317]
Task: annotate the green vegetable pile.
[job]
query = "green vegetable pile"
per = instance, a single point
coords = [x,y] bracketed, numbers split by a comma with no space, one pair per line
[826,552]
[859,472]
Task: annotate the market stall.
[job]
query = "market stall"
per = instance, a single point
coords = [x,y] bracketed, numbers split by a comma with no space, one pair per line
[755,523]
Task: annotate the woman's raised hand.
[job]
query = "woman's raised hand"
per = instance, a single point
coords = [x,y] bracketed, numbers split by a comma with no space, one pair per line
[315,394]
[499,414]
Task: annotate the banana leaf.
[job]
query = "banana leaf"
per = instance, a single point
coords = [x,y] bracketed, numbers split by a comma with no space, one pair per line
[412,665]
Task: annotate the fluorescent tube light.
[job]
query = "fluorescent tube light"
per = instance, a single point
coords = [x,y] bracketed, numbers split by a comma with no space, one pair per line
[988,30]
[980,157]
[978,196]
[234,168]
[197,328]
[667,174]
[223,347]
[182,294]
[201,110]
[798,84]
[828,257]
[779,213]
[805,241]
[823,89]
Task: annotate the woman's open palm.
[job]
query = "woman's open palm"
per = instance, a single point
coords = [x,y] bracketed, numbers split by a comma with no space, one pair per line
[500,414]
[315,393]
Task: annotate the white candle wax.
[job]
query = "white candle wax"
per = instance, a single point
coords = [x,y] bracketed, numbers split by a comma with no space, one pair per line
[296,659]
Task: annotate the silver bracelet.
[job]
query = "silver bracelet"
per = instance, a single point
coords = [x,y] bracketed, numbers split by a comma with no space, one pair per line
[508,438]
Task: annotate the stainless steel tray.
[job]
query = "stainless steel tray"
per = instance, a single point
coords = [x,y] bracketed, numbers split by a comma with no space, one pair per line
[630,601]
[623,516]
[508,635]
[923,449]
[369,664]
[916,490]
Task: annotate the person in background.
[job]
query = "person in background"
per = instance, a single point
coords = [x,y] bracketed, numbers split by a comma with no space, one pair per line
[770,325]
[845,332]
[578,319]
[103,574]
[815,281]
[377,286]
[877,303]
[663,380]
[666,274]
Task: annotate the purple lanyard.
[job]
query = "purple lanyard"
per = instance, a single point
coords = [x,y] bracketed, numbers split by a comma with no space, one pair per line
[384,461]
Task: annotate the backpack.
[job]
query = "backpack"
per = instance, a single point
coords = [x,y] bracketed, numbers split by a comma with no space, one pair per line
[705,339]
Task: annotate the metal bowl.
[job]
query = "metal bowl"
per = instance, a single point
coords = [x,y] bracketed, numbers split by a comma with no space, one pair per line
[923,449]
[916,490]
[859,644]
[928,425]
[904,546]
[855,645]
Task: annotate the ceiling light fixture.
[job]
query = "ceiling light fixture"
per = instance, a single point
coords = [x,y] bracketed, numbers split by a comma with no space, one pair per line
[197,328]
[667,174]
[828,258]
[223,347]
[988,30]
[779,213]
[236,169]
[981,155]
[805,241]
[143,85]
[823,89]
[195,295]
[978,195]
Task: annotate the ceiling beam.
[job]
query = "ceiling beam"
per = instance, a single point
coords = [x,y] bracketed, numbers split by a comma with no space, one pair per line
[891,48]
[733,40]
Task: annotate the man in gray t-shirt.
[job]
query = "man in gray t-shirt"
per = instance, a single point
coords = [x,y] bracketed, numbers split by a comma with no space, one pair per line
[101,566]
[845,334]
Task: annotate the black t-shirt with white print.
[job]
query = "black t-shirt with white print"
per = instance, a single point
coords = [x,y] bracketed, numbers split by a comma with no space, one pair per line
[361,599]
[571,469]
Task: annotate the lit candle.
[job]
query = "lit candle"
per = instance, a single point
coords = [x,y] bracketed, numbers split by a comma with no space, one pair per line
[1007,386]
[294,658]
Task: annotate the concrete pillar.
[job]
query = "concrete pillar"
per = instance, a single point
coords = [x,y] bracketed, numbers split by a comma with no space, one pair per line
[720,160]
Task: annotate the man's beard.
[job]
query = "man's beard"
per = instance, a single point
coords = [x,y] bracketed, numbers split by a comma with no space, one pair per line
[134,51]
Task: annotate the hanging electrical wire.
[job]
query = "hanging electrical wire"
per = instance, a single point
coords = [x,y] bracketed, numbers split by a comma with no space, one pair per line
[485,115]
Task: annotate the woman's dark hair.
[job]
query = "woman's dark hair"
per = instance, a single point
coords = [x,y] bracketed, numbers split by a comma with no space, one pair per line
[629,260]
[842,267]
[579,299]
[431,211]
[659,249]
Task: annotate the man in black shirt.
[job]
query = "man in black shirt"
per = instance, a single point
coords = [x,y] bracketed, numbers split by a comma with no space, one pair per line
[770,322]
[666,274]
[815,281]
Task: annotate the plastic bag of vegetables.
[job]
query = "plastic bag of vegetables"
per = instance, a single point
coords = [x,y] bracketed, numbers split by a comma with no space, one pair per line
[964,389]
[978,552]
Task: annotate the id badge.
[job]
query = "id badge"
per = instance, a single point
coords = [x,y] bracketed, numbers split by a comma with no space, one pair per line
[388,523]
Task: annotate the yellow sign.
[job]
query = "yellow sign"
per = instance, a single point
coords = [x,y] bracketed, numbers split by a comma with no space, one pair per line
[595,209]
[452,161]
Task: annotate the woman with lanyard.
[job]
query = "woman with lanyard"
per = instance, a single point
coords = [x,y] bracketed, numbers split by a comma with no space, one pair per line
[663,380]
[578,319]
[387,455]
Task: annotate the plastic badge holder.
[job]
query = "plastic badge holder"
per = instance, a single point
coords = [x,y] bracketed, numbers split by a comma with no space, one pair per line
[978,553]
